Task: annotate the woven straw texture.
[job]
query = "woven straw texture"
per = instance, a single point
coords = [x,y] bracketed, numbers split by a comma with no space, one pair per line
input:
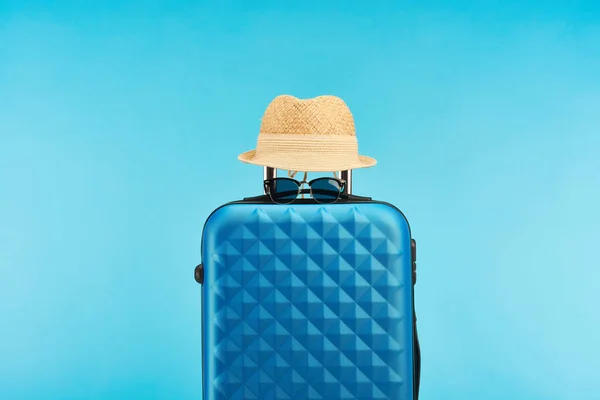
[323,115]
[307,135]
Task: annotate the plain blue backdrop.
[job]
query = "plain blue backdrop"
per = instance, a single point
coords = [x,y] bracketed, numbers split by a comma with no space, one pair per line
[120,124]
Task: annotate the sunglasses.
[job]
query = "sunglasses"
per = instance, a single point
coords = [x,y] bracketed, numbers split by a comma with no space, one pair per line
[286,190]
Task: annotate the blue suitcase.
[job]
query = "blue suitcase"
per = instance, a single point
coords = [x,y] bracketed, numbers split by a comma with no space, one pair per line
[308,301]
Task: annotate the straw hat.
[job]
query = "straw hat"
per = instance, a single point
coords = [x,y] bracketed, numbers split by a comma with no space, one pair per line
[315,134]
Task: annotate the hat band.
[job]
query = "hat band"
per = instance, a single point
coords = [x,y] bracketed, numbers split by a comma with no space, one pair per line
[343,145]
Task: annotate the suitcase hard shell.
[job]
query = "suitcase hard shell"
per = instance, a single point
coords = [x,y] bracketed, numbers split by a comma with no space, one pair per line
[308,301]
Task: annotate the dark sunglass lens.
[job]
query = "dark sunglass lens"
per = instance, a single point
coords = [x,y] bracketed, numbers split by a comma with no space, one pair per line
[283,190]
[325,190]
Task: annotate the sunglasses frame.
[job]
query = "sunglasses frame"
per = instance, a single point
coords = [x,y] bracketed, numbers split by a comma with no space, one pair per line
[268,181]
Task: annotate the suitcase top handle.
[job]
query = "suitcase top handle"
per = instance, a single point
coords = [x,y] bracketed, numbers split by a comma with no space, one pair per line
[346,175]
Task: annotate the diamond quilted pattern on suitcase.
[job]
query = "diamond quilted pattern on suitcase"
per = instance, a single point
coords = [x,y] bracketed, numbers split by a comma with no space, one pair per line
[307,302]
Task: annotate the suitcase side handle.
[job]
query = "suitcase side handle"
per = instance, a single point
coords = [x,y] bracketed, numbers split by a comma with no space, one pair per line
[346,175]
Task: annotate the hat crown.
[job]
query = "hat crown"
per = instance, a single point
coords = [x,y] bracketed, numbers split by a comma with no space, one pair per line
[322,115]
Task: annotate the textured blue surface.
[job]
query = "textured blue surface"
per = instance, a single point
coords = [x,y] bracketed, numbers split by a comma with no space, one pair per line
[307,302]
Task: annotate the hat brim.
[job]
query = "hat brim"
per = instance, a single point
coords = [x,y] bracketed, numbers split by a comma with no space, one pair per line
[320,163]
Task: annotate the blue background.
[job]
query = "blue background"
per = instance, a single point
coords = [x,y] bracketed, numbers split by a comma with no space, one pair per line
[120,124]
